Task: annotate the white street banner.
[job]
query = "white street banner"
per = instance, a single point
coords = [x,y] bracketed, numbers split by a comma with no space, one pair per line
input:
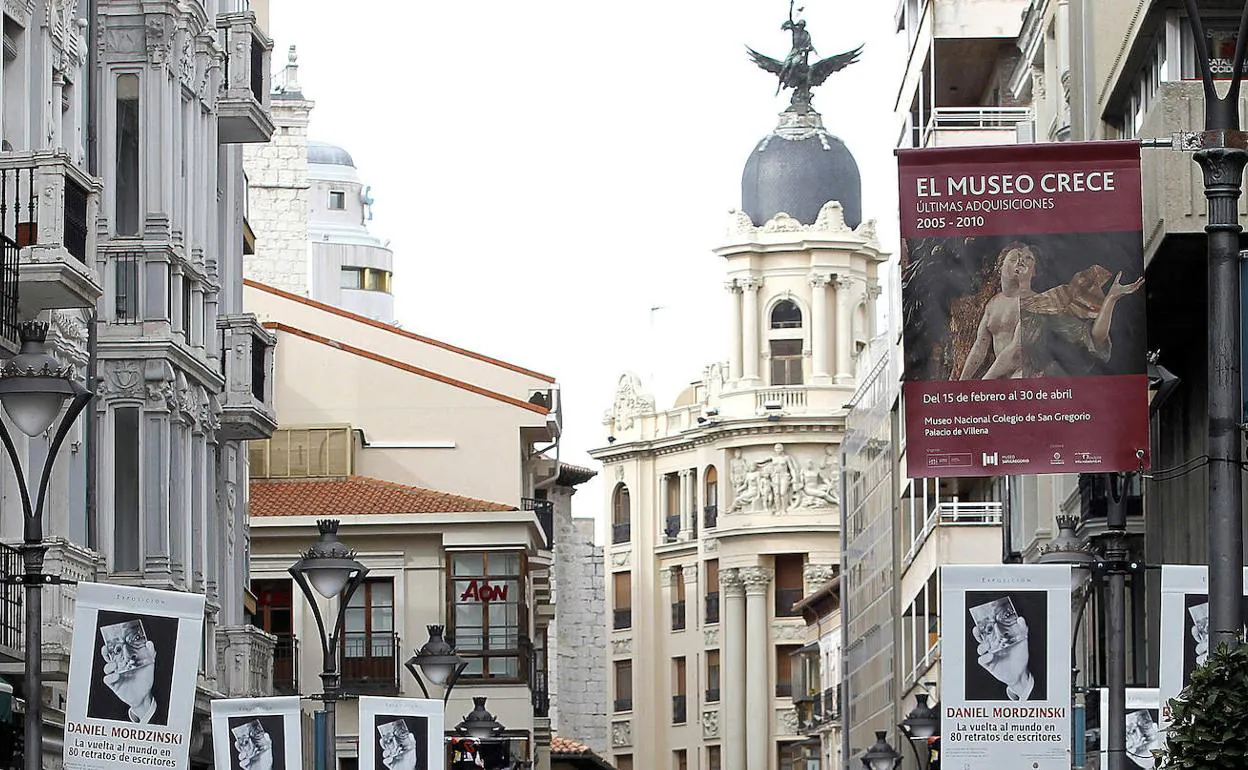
[132,671]
[1144,733]
[256,734]
[1184,628]
[1005,659]
[401,734]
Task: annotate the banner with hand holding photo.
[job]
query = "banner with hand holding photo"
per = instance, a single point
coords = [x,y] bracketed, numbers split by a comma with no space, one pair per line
[257,734]
[1144,734]
[133,664]
[1005,660]
[1184,628]
[401,734]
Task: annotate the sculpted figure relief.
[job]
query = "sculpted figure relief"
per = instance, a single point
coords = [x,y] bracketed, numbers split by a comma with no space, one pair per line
[779,483]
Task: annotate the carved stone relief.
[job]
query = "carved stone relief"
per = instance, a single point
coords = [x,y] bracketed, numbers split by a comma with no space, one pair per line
[158,38]
[622,646]
[815,575]
[621,734]
[621,558]
[787,722]
[710,636]
[630,403]
[710,724]
[756,579]
[121,379]
[781,481]
[788,632]
[710,545]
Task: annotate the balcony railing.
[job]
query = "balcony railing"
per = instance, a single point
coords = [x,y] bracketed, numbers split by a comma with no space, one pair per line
[832,702]
[286,665]
[247,365]
[954,513]
[369,662]
[255,648]
[710,516]
[712,607]
[712,695]
[672,527]
[971,119]
[679,709]
[780,399]
[784,689]
[545,512]
[785,599]
[622,618]
[621,533]
[678,615]
[541,694]
[243,109]
[622,704]
[10,599]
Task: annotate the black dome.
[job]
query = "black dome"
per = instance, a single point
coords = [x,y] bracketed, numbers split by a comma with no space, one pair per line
[798,168]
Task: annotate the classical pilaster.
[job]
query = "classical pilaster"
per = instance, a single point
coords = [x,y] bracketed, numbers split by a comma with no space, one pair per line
[750,341]
[687,479]
[819,326]
[844,330]
[176,277]
[757,649]
[664,511]
[734,337]
[732,673]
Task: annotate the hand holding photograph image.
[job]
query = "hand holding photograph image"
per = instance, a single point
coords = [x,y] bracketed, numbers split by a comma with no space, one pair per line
[1002,648]
[257,743]
[134,669]
[397,743]
[1143,737]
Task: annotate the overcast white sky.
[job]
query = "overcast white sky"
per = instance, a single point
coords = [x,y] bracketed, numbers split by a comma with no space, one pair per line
[548,172]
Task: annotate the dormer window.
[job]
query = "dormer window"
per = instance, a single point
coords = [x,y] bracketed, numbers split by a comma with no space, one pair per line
[786,315]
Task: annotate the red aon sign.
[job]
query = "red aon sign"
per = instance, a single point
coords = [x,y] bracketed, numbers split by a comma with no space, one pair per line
[484,592]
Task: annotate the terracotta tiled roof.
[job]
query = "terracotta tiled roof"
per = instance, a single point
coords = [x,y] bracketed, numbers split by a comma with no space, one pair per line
[559,745]
[394,329]
[356,496]
[403,365]
[576,754]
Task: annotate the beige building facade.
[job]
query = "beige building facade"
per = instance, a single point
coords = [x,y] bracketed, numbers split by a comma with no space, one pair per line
[723,508]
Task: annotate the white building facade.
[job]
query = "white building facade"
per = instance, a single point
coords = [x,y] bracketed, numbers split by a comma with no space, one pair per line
[130,162]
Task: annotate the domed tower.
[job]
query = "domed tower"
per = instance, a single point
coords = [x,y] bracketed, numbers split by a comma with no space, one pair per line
[802,263]
[350,267]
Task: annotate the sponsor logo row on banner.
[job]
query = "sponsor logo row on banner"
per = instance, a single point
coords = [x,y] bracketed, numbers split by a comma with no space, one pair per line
[132,675]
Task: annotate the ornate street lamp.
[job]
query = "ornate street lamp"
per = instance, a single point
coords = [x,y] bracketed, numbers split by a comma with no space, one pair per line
[881,756]
[441,664]
[329,568]
[920,724]
[34,386]
[480,725]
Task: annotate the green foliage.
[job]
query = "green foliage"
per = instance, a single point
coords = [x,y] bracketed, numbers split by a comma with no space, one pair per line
[1208,719]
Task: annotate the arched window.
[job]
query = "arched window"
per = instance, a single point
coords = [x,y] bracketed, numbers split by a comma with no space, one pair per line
[710,497]
[621,515]
[786,315]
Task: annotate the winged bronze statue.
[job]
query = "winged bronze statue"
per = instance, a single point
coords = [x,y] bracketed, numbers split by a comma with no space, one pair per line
[796,72]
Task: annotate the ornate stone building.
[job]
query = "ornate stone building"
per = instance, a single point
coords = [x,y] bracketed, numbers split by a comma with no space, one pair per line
[723,509]
[132,246]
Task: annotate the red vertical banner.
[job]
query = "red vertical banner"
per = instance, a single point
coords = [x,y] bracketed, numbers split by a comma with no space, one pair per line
[1023,309]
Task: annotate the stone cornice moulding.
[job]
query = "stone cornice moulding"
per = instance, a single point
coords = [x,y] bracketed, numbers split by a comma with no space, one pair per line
[729,428]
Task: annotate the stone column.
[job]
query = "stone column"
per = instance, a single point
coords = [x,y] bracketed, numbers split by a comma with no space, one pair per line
[686,525]
[734,336]
[759,654]
[176,277]
[749,312]
[819,326]
[56,133]
[732,670]
[664,480]
[844,330]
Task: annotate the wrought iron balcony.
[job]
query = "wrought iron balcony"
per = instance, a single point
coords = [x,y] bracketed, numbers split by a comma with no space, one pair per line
[712,607]
[247,365]
[286,665]
[710,516]
[243,109]
[784,689]
[712,695]
[541,694]
[679,709]
[245,661]
[622,618]
[369,663]
[545,512]
[785,599]
[678,615]
[10,604]
[672,527]
[622,704]
[621,533]
[48,209]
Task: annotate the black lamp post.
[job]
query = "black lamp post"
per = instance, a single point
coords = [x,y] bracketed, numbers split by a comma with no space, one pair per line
[441,664]
[33,388]
[881,756]
[480,724]
[330,568]
[921,723]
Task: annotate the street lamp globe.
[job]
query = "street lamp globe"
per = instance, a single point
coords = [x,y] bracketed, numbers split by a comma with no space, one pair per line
[437,658]
[880,756]
[480,724]
[33,384]
[328,564]
[923,721]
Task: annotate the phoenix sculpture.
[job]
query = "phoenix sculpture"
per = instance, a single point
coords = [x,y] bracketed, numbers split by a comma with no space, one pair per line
[796,72]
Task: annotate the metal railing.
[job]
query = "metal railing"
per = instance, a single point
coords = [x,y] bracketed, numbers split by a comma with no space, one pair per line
[286,665]
[621,533]
[712,695]
[545,512]
[785,599]
[710,516]
[622,618]
[11,599]
[679,709]
[712,606]
[953,513]
[784,689]
[127,272]
[622,704]
[541,694]
[970,119]
[369,662]
[672,527]
[678,615]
